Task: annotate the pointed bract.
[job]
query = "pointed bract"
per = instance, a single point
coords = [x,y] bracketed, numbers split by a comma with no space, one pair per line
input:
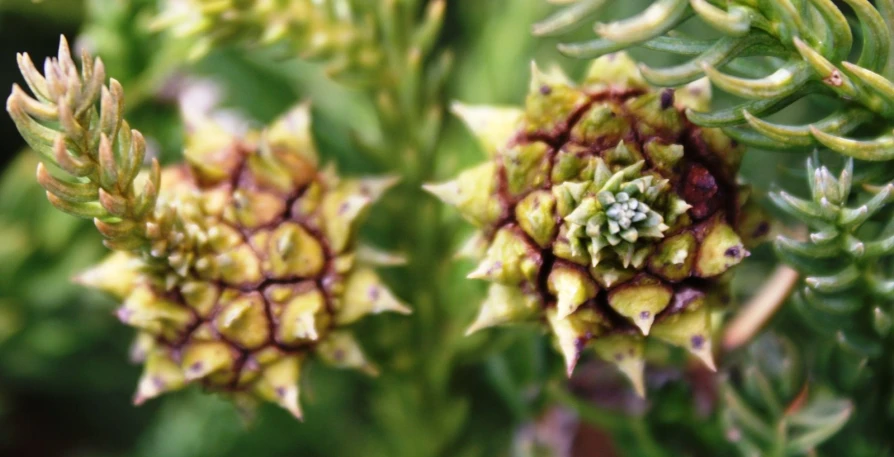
[373,256]
[572,287]
[243,319]
[342,210]
[292,251]
[536,216]
[690,330]
[303,318]
[510,259]
[492,126]
[161,374]
[374,187]
[720,249]
[695,95]
[117,274]
[573,333]
[366,294]
[292,132]
[280,384]
[640,300]
[211,152]
[203,359]
[146,309]
[473,248]
[472,193]
[625,352]
[551,100]
[505,305]
[340,349]
[617,70]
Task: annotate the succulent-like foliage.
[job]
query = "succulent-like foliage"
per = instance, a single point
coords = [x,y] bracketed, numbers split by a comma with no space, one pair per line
[605,213]
[847,258]
[75,123]
[235,266]
[806,45]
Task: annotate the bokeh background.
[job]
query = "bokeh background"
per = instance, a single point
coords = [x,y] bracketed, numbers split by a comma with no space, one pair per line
[65,380]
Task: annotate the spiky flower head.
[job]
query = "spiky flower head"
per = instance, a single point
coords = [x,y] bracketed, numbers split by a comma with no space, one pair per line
[604,213]
[234,267]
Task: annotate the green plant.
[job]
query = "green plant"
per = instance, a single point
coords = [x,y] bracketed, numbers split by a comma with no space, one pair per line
[609,213]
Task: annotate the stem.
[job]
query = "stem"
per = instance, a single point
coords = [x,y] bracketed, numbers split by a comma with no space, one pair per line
[760,308]
[407,149]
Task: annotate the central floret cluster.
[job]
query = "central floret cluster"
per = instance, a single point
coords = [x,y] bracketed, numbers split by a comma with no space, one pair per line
[619,215]
[605,214]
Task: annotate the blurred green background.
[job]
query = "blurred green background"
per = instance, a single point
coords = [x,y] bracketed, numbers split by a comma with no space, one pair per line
[65,383]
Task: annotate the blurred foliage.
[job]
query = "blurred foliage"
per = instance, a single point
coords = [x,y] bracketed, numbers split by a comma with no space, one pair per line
[53,11]
[771,409]
[65,387]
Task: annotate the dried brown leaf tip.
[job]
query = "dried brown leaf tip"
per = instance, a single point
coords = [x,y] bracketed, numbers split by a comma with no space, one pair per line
[604,213]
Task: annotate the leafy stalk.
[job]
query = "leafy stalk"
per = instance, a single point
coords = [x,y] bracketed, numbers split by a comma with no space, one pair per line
[846,258]
[74,121]
[847,261]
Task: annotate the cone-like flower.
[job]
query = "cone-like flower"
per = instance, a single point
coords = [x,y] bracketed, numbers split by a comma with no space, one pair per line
[265,270]
[234,267]
[605,213]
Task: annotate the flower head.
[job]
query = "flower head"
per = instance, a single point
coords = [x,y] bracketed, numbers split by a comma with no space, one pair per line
[234,267]
[604,213]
